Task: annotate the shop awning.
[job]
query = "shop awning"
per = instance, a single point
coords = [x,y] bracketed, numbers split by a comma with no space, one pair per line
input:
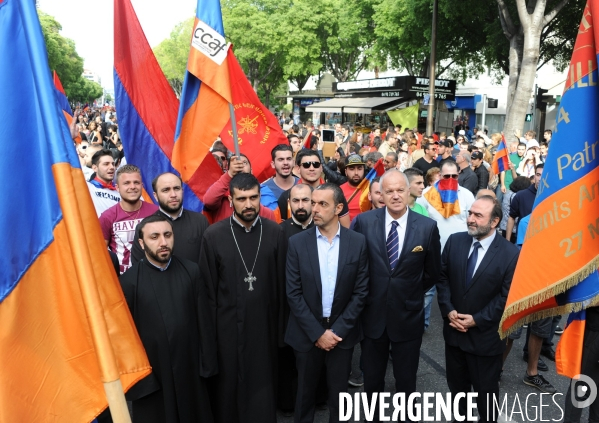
[334,105]
[365,105]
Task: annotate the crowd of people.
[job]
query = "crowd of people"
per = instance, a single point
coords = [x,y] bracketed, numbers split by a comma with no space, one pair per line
[257,303]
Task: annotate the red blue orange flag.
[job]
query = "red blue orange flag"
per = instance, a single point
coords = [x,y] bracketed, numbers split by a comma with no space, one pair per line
[501,161]
[65,327]
[377,170]
[443,196]
[568,354]
[61,95]
[564,224]
[147,131]
[214,79]
[205,98]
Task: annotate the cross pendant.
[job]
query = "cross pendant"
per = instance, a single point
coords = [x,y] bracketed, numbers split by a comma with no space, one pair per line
[250,279]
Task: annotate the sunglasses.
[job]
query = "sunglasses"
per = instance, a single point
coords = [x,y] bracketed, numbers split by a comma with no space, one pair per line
[306,165]
[453,176]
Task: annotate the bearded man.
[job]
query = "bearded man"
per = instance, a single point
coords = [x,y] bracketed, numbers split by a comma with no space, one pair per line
[472,298]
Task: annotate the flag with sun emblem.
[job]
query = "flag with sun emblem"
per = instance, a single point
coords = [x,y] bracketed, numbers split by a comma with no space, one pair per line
[258,130]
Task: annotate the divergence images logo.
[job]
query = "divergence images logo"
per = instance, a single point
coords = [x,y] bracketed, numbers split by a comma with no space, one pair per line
[583,391]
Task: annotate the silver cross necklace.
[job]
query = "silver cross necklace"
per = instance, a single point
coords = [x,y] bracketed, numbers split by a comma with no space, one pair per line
[250,278]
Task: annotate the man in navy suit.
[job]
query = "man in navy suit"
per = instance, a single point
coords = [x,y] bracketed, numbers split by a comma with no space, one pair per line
[327,285]
[476,273]
[404,259]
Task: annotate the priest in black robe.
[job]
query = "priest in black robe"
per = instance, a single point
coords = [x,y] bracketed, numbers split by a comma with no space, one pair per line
[169,306]
[243,266]
[188,226]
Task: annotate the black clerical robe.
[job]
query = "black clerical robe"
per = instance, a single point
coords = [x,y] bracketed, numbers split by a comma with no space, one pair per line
[188,230]
[171,314]
[249,326]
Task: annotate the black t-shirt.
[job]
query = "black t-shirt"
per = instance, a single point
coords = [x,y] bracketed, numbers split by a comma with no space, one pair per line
[284,199]
[425,166]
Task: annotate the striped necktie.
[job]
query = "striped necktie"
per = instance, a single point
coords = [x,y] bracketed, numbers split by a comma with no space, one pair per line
[393,245]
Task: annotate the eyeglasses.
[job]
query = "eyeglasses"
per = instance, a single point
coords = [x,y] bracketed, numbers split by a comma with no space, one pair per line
[453,176]
[306,165]
[221,157]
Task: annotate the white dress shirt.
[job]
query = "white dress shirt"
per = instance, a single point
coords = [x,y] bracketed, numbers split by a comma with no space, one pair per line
[328,261]
[401,228]
[482,250]
[455,223]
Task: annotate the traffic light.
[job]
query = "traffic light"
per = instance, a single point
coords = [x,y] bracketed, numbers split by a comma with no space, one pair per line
[541,103]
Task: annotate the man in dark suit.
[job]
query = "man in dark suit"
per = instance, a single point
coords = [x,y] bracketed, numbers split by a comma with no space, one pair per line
[404,259]
[327,285]
[476,273]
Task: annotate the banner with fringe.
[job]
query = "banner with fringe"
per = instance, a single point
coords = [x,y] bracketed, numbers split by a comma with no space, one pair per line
[557,268]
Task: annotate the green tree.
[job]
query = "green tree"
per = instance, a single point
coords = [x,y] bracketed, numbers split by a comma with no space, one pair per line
[258,30]
[62,56]
[173,52]
[85,91]
[347,36]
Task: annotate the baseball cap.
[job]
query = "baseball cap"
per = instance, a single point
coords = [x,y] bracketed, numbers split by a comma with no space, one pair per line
[446,143]
[354,160]
[476,155]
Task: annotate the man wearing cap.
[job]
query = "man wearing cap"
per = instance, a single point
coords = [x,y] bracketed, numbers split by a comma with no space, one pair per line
[481,172]
[355,172]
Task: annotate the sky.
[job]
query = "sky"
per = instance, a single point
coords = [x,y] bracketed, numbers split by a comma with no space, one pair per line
[90,24]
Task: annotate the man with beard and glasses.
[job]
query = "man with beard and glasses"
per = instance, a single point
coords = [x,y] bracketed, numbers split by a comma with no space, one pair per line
[188,226]
[169,306]
[119,221]
[282,163]
[243,266]
[355,172]
[101,187]
[472,297]
[310,169]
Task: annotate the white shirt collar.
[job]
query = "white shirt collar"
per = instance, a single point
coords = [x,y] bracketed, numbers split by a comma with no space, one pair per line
[234,218]
[486,243]
[299,223]
[162,269]
[403,221]
[320,235]
[169,216]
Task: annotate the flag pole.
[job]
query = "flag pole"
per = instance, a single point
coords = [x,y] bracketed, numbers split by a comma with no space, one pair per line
[234,127]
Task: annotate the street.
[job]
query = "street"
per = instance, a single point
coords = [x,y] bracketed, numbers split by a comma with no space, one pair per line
[431,378]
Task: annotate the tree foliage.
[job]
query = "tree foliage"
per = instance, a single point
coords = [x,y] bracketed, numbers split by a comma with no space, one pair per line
[63,58]
[172,54]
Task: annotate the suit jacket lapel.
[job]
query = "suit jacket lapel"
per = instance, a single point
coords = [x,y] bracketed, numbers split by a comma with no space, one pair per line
[343,255]
[383,236]
[485,262]
[408,237]
[312,249]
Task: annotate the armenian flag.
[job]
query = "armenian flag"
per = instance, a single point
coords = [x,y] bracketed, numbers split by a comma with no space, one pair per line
[66,331]
[564,224]
[443,196]
[377,170]
[147,131]
[501,161]
[205,98]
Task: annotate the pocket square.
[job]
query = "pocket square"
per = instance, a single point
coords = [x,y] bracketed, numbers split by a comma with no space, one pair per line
[417,249]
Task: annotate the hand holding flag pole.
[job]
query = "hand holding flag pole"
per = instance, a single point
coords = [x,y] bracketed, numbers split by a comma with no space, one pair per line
[234,128]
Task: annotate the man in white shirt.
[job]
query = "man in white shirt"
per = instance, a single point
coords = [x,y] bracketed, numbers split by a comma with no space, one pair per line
[101,188]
